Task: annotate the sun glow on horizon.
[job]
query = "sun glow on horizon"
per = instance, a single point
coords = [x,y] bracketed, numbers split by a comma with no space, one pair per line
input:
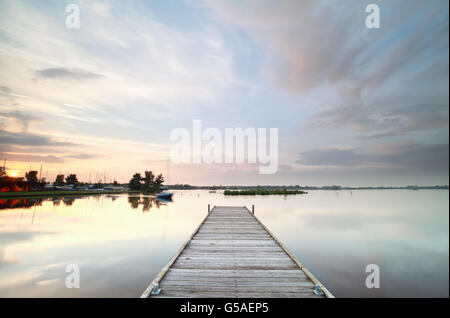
[13,173]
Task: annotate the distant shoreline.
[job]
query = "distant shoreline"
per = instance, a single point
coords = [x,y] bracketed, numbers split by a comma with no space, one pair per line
[239,190]
[301,188]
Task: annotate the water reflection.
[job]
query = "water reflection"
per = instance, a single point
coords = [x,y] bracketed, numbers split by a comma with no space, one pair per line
[19,203]
[147,202]
[102,234]
[120,251]
[135,201]
[15,203]
[163,201]
[68,201]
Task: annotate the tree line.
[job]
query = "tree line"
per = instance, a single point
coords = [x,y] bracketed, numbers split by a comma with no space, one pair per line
[70,179]
[149,182]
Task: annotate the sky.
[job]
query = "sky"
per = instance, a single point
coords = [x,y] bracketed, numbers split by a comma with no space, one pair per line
[353,105]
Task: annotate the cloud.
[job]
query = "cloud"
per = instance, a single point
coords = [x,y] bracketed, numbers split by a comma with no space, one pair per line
[379,83]
[27,157]
[32,158]
[420,156]
[67,74]
[298,37]
[432,158]
[32,149]
[29,139]
[403,111]
[285,168]
[23,118]
[4,90]
[332,157]
[81,156]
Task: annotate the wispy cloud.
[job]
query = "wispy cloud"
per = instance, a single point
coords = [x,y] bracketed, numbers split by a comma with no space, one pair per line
[4,90]
[65,73]
[82,156]
[32,158]
[29,139]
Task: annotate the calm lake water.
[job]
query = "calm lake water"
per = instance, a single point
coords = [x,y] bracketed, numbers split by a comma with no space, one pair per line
[120,243]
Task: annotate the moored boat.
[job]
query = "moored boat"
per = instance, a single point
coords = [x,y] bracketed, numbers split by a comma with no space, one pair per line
[164,195]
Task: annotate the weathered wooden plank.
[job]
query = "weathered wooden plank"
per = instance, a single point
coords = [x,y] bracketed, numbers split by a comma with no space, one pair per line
[231,221]
[241,289]
[236,280]
[236,259]
[232,243]
[233,230]
[236,255]
[232,225]
[233,294]
[230,237]
[237,249]
[237,273]
[233,283]
[233,266]
[219,255]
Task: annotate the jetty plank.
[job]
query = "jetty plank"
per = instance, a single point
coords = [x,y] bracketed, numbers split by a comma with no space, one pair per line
[232,254]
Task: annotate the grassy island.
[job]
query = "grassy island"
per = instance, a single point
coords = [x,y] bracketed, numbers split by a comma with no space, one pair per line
[263,192]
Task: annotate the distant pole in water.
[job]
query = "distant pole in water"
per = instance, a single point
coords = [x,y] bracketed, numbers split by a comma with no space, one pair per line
[167,171]
[209,208]
[253,209]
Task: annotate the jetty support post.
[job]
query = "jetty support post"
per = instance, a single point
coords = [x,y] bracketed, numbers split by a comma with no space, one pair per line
[209,208]
[253,209]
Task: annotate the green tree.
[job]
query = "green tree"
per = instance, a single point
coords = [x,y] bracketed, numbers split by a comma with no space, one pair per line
[59,181]
[135,182]
[72,179]
[152,183]
[31,176]
[149,180]
[159,181]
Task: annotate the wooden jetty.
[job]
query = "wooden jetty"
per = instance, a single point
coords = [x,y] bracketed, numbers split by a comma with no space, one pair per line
[232,254]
